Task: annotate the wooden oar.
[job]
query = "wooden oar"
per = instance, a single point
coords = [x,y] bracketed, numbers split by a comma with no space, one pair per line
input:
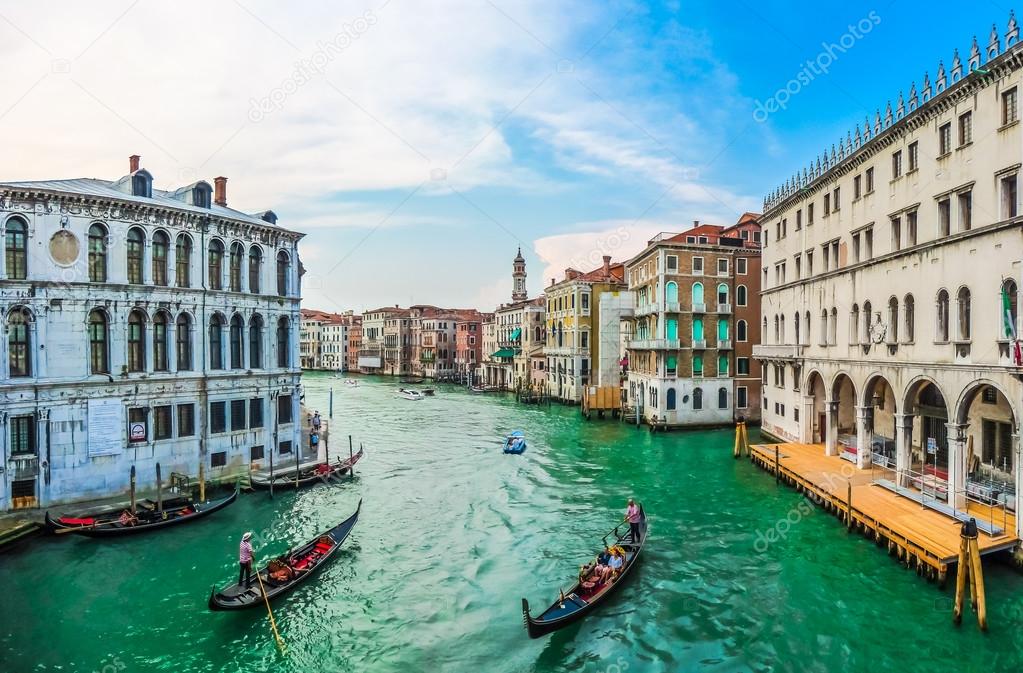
[273,622]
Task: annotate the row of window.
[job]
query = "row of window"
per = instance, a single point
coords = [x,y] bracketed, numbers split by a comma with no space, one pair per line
[16,258]
[246,414]
[671,398]
[900,325]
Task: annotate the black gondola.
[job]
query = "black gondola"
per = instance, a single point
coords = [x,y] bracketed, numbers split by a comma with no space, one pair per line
[411,379]
[323,472]
[174,512]
[578,601]
[286,571]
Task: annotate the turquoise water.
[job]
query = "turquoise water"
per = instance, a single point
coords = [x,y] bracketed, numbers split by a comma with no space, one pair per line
[453,533]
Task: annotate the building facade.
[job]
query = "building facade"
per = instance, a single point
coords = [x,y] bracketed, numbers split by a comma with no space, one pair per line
[683,365]
[575,328]
[469,345]
[891,288]
[142,327]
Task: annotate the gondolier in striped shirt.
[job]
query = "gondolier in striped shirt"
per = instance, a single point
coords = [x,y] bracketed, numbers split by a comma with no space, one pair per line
[632,515]
[245,560]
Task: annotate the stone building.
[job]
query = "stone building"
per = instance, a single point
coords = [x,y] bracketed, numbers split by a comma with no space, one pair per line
[694,295]
[141,326]
[891,288]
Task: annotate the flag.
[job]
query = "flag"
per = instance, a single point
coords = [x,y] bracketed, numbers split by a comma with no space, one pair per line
[1009,328]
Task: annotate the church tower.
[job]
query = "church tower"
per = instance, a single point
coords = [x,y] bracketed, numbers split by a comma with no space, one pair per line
[519,278]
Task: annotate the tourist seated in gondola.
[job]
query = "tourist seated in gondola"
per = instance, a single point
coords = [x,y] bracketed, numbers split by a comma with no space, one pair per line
[616,561]
[280,571]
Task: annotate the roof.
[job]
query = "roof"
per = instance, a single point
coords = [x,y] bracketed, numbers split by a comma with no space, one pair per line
[105,189]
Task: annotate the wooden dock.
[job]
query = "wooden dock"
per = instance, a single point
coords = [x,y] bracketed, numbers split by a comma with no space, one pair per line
[923,538]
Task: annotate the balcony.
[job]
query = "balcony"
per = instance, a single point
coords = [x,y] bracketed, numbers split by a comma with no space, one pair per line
[672,307]
[699,308]
[24,466]
[724,344]
[724,308]
[699,344]
[654,344]
[646,309]
[778,351]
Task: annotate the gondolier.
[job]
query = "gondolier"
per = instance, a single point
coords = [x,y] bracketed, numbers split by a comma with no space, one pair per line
[633,516]
[245,559]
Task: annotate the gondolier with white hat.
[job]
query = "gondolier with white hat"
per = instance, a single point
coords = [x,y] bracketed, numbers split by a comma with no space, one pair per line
[245,560]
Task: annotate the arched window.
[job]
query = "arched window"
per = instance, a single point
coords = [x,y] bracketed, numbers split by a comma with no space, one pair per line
[722,329]
[16,249]
[782,330]
[237,337]
[893,320]
[722,365]
[99,350]
[561,334]
[741,330]
[698,329]
[1010,309]
[697,399]
[216,341]
[795,326]
[740,295]
[235,275]
[19,342]
[98,253]
[806,338]
[763,328]
[824,327]
[283,266]
[833,333]
[941,332]
[722,293]
[160,244]
[160,344]
[136,244]
[669,399]
[867,311]
[697,365]
[963,306]
[183,261]
[184,342]
[777,330]
[255,268]
[722,398]
[283,343]
[854,324]
[216,265]
[671,292]
[697,293]
[136,341]
[909,308]
[256,342]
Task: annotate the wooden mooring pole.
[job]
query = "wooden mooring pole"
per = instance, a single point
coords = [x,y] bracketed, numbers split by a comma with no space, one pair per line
[777,466]
[969,568]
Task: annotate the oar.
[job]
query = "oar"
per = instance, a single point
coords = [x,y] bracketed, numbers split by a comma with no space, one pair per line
[61,531]
[273,623]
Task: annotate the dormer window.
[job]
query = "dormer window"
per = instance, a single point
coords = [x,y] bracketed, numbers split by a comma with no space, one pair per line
[142,184]
[202,195]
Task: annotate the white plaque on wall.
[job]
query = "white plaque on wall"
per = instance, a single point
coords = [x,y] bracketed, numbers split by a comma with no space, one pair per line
[106,422]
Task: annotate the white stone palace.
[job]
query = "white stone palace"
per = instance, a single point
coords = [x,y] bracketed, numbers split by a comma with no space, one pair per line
[141,326]
[891,276]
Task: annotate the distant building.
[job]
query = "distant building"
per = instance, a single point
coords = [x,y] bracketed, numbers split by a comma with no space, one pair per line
[141,327]
[469,345]
[354,343]
[694,297]
[371,351]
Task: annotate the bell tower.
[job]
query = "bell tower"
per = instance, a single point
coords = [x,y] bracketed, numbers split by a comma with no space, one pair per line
[519,278]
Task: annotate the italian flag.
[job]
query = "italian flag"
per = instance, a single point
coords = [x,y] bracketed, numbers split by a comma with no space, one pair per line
[1009,327]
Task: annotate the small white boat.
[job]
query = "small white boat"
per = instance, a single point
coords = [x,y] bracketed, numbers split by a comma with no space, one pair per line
[409,394]
[351,383]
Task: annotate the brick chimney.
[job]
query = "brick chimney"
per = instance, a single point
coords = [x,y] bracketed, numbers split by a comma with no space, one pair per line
[133,163]
[696,223]
[607,265]
[220,191]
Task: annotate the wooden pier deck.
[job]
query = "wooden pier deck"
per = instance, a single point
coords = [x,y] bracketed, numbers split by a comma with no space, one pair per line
[923,538]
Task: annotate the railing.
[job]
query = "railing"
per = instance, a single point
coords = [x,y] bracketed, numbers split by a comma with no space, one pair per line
[654,344]
[790,351]
[24,466]
[699,308]
[699,344]
[725,344]
[724,308]
[672,307]
[646,309]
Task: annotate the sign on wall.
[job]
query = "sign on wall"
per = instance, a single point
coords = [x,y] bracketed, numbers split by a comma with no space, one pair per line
[106,420]
[137,432]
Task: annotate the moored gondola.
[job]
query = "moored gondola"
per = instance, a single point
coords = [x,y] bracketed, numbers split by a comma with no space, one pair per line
[123,522]
[583,598]
[285,572]
[322,472]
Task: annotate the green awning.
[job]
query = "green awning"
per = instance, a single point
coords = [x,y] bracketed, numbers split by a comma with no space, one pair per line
[505,353]
[516,333]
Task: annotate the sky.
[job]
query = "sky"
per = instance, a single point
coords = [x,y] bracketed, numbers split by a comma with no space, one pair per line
[419,144]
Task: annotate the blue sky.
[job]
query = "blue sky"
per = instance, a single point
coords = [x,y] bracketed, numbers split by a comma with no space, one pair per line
[419,144]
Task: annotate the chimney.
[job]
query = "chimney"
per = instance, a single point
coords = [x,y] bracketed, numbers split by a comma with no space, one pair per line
[607,265]
[133,163]
[696,223]
[553,280]
[220,191]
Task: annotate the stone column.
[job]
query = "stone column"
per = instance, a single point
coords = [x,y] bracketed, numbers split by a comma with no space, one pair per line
[807,420]
[957,464]
[864,436]
[831,430]
[903,447]
[172,345]
[1017,475]
[172,261]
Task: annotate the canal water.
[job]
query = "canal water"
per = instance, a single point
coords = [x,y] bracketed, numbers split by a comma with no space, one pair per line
[453,533]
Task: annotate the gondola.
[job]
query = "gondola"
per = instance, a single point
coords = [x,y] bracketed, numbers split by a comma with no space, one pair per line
[322,472]
[578,601]
[411,379]
[515,443]
[112,512]
[286,571]
[142,521]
